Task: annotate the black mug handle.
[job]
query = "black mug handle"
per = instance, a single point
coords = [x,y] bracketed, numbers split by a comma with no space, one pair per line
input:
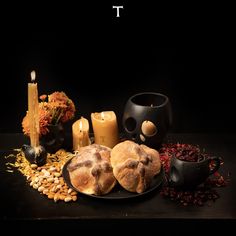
[216,167]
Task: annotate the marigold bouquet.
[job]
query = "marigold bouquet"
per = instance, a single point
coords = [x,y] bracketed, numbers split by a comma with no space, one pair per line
[53,109]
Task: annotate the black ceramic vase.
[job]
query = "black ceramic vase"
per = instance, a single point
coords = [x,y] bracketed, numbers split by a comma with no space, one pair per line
[147,118]
[54,139]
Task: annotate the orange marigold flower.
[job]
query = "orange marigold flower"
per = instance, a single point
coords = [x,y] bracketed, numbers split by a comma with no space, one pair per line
[44,121]
[43,97]
[58,108]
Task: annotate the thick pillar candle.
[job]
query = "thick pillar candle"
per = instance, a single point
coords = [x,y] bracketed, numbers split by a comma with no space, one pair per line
[33,111]
[105,128]
[80,131]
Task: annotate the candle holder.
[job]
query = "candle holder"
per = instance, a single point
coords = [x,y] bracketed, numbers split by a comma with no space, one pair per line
[147,118]
[35,155]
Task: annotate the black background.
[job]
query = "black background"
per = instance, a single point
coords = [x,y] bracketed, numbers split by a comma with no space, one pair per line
[183,51]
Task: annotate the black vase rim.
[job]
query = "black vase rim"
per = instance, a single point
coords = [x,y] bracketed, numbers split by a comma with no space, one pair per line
[166,99]
[55,124]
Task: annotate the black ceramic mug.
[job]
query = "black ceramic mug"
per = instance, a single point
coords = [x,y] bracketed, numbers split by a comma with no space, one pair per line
[147,118]
[186,174]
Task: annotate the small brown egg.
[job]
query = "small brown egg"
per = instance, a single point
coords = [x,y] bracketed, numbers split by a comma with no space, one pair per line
[148,128]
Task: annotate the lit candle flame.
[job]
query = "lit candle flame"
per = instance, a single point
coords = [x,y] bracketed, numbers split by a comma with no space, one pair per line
[33,75]
[151,105]
[102,116]
[80,126]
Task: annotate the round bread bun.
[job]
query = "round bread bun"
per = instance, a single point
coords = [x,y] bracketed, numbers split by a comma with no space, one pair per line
[134,165]
[90,170]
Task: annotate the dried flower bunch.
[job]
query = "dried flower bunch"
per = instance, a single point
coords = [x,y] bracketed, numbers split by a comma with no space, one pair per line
[53,109]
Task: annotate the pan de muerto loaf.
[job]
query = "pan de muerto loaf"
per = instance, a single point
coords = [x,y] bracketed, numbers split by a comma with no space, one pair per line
[90,170]
[134,166]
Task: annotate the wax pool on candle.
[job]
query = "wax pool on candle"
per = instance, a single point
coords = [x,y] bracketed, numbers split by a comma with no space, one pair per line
[80,130]
[33,111]
[105,128]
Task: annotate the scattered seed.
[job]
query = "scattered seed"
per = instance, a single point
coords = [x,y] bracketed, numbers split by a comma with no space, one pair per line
[46,179]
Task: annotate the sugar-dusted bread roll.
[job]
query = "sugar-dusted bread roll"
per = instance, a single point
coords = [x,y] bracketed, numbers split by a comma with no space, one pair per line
[134,166]
[90,170]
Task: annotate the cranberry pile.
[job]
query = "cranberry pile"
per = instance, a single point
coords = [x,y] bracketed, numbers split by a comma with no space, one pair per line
[201,195]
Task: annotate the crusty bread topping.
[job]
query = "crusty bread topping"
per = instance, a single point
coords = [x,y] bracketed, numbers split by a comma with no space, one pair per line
[90,170]
[134,166]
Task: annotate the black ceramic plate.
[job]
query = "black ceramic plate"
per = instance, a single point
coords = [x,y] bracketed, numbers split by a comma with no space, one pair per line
[117,192]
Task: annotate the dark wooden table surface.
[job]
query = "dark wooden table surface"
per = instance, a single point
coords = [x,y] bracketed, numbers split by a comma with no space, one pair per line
[19,202]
